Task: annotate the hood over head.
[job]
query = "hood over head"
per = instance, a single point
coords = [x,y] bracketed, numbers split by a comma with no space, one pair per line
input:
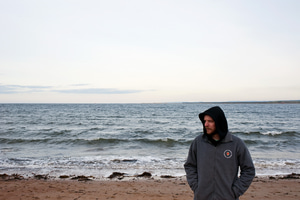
[220,120]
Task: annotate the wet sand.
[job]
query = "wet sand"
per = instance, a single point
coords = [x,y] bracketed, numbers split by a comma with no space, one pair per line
[138,188]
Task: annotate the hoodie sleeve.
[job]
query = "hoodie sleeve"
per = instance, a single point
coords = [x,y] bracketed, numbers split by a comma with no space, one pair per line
[190,167]
[247,171]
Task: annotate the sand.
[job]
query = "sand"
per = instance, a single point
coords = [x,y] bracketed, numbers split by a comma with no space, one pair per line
[139,188]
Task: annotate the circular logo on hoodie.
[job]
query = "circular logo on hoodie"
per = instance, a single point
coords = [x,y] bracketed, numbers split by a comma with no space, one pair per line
[227,154]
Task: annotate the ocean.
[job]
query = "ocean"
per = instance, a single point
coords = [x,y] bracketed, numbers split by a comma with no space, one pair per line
[99,139]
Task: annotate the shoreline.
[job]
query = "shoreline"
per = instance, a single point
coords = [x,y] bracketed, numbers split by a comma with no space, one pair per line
[142,188]
[125,177]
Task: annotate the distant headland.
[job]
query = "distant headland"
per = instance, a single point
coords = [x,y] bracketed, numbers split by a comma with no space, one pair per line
[249,102]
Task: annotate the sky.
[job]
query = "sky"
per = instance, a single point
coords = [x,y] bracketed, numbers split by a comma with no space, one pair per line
[137,51]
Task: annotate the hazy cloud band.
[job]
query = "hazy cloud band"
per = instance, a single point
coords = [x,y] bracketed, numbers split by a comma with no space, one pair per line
[14,89]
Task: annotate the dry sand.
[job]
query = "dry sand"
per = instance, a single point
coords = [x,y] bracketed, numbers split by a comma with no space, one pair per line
[16,187]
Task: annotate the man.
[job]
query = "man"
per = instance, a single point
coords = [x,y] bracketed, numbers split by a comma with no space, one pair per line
[214,159]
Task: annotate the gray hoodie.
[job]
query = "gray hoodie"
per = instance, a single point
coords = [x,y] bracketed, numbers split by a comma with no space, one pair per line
[212,167]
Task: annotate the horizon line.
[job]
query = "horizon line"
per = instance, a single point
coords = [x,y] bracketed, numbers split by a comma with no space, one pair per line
[192,102]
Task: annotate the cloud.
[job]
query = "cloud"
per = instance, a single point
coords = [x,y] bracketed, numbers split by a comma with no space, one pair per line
[4,89]
[13,89]
[98,91]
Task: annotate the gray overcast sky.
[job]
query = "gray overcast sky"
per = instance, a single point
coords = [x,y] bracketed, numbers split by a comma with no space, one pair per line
[137,51]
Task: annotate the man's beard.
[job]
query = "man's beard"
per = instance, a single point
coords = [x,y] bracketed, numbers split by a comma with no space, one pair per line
[211,134]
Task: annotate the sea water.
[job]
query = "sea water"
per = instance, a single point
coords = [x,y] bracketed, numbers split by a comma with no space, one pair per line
[99,139]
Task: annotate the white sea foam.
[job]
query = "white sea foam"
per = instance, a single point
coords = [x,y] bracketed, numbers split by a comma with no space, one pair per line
[98,139]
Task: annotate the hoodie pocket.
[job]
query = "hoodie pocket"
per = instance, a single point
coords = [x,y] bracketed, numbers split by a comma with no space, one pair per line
[196,190]
[235,192]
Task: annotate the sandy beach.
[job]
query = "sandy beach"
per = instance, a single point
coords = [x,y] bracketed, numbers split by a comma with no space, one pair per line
[14,187]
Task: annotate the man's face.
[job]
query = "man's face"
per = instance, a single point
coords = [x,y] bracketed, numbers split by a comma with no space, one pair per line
[209,124]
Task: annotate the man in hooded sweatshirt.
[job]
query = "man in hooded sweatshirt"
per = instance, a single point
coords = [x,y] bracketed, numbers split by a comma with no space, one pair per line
[215,158]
